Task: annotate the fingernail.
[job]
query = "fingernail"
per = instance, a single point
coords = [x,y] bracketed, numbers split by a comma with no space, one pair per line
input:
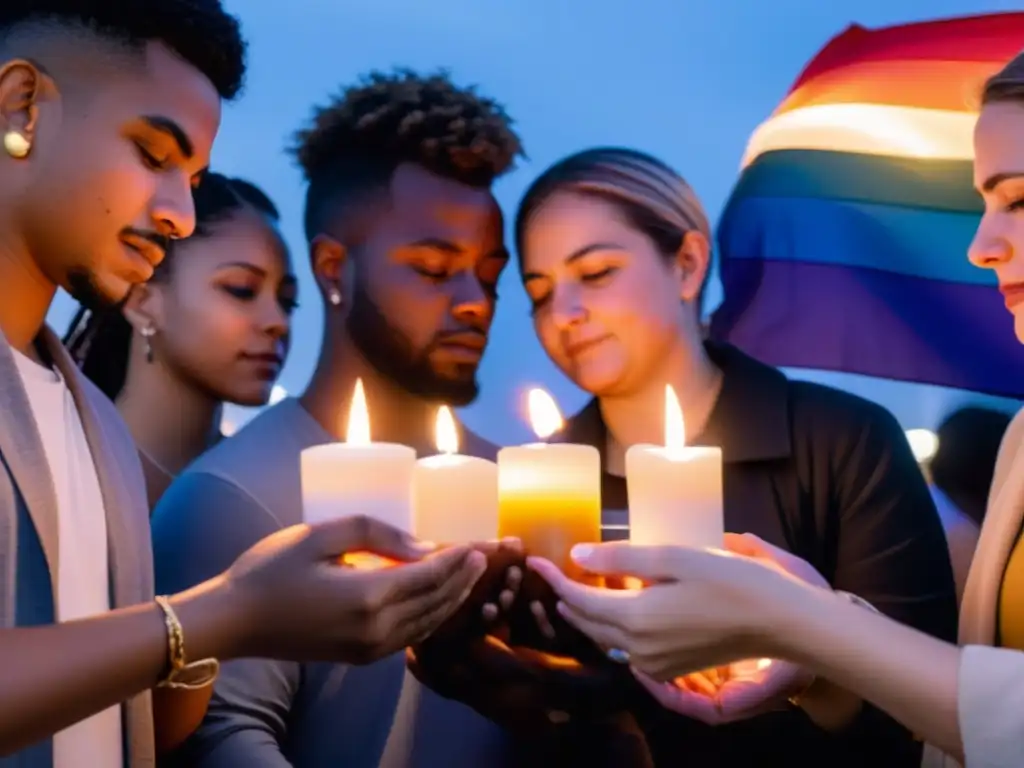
[477,560]
[581,552]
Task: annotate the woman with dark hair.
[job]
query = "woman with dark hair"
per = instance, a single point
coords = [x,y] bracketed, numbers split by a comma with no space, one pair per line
[211,327]
[615,248]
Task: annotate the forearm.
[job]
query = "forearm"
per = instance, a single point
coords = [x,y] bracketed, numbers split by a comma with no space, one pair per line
[909,675]
[56,675]
[829,706]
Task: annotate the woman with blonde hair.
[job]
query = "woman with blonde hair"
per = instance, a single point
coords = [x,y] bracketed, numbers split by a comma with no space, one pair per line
[712,608]
[614,248]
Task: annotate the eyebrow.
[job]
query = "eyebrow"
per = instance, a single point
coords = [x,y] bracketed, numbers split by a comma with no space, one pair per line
[172,129]
[576,255]
[438,244]
[258,271]
[994,181]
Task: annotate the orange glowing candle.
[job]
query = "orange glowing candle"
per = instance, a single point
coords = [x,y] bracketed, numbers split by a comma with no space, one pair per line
[549,495]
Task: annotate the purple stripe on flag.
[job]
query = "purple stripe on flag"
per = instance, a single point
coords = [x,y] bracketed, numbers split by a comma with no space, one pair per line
[856,320]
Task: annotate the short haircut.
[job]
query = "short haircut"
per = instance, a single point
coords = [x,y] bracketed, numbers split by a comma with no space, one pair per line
[355,142]
[965,462]
[200,31]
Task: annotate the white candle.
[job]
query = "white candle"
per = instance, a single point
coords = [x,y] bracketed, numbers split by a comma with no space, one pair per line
[549,494]
[456,496]
[675,491]
[358,477]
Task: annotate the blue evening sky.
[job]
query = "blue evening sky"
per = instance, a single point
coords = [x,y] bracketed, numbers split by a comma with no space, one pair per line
[688,81]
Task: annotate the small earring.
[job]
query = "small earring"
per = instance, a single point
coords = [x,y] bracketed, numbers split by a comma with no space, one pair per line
[147,335]
[334,297]
[16,145]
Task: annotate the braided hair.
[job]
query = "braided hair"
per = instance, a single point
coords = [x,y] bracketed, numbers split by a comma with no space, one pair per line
[100,341]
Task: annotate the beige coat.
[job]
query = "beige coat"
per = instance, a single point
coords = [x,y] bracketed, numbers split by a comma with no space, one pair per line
[991,702]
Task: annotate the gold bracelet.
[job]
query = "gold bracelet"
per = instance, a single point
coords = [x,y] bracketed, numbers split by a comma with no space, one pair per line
[175,640]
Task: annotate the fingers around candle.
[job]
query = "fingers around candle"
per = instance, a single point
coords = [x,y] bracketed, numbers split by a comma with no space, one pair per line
[489,612]
[514,578]
[624,559]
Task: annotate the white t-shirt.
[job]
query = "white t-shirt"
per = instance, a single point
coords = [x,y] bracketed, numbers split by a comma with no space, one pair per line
[83,587]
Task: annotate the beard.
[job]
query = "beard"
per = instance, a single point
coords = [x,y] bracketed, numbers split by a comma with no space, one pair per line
[392,354]
[82,287]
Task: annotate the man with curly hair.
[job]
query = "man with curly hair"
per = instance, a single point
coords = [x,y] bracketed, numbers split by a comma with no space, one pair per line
[406,245]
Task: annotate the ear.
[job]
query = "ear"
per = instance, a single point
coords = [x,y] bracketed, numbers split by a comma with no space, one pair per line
[693,261]
[144,307]
[22,86]
[329,257]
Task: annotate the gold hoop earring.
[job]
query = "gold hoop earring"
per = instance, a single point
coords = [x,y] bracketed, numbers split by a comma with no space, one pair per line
[16,145]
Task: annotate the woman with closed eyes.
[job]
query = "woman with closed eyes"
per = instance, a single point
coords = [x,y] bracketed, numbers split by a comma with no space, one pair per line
[210,328]
[614,249]
[756,600]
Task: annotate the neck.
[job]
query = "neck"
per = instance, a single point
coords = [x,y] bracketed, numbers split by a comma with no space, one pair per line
[26,295]
[171,422]
[396,416]
[639,415]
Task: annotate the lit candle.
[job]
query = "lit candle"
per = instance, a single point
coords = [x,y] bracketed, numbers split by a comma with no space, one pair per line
[358,477]
[675,491]
[456,496]
[549,495]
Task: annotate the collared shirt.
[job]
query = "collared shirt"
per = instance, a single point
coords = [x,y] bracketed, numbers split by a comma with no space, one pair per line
[831,478]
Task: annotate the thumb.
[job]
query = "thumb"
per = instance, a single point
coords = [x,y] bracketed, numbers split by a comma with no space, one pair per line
[620,558]
[361,533]
[749,545]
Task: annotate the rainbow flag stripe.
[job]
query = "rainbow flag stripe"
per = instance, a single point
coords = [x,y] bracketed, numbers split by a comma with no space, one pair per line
[844,243]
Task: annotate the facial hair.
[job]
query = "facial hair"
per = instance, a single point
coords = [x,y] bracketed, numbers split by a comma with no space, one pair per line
[83,289]
[393,355]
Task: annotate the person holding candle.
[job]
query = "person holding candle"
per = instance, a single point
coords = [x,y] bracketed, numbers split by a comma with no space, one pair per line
[108,112]
[406,246]
[210,327]
[614,249]
[967,701]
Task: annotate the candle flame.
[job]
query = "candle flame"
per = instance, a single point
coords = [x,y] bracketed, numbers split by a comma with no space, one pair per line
[675,427]
[445,435]
[358,418]
[545,418]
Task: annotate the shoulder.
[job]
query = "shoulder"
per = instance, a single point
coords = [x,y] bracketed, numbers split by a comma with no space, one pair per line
[826,413]
[1011,452]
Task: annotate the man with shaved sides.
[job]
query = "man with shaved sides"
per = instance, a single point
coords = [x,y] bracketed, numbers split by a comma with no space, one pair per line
[108,111]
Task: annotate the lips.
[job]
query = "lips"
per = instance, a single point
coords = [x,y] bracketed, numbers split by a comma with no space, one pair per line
[268,358]
[1013,294]
[149,250]
[577,348]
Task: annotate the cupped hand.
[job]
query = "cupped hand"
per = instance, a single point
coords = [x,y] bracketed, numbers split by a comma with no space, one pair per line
[299,603]
[702,608]
[743,690]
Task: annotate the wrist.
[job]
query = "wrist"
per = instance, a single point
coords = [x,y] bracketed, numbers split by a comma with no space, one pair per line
[215,622]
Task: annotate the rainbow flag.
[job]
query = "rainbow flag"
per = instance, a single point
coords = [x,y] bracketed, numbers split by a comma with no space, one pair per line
[844,244]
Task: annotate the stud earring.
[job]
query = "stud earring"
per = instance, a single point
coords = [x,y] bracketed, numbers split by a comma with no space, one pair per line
[147,338]
[334,297]
[16,145]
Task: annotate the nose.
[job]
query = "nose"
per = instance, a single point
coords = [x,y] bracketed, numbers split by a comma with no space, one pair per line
[567,310]
[990,247]
[274,320]
[471,302]
[174,210]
